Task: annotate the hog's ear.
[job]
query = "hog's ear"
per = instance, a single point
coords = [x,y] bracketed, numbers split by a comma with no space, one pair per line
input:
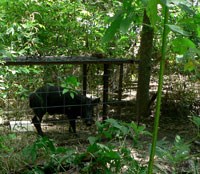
[95,101]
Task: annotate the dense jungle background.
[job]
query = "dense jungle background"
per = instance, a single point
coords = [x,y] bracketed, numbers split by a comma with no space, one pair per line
[133,30]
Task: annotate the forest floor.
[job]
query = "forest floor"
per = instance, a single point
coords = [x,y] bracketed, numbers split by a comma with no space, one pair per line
[57,130]
[172,123]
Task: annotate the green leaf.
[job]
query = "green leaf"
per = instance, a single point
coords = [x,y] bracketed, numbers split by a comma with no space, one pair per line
[38,171]
[72,95]
[196,121]
[114,27]
[126,22]
[113,155]
[182,45]
[114,123]
[64,150]
[198,31]
[189,66]
[10,31]
[92,140]
[178,29]
[107,134]
[92,148]
[123,39]
[12,136]
[127,4]
[30,152]
[187,9]
[102,146]
[152,11]
[65,91]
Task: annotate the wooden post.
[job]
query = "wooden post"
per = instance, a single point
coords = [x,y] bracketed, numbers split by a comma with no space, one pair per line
[105,90]
[84,79]
[120,87]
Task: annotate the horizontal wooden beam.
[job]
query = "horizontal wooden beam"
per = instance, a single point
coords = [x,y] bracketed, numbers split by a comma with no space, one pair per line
[64,60]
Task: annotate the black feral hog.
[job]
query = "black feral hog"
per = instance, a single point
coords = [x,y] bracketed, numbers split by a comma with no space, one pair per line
[52,100]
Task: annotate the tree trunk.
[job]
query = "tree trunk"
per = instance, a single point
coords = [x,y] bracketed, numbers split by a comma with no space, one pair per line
[144,71]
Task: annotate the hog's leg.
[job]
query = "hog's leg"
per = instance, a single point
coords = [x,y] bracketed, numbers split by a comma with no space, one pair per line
[72,126]
[37,123]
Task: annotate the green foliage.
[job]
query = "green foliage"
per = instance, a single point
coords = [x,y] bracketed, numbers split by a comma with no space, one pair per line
[180,104]
[55,158]
[63,27]
[3,143]
[113,129]
[186,42]
[188,55]
[179,152]
[9,160]
[181,45]
[37,28]
[109,152]
[10,80]
[178,30]
[70,84]
[45,144]
[103,159]
[151,6]
[159,91]
[196,122]
[111,157]
[43,156]
[174,155]
[122,20]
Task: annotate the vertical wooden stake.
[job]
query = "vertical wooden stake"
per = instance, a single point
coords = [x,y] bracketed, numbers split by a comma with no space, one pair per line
[120,86]
[105,90]
[84,79]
